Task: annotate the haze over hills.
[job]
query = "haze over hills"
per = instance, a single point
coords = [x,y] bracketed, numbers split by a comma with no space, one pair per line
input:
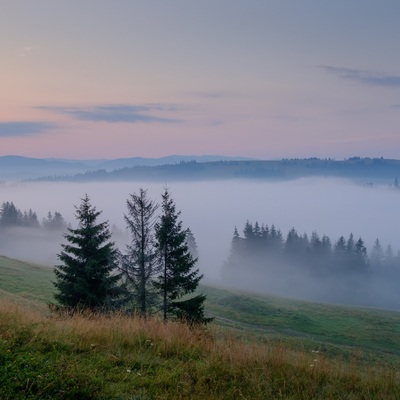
[14,168]
[206,167]
[368,171]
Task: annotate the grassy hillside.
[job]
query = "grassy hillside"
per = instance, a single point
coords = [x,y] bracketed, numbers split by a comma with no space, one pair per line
[26,281]
[335,330]
[259,347]
[119,357]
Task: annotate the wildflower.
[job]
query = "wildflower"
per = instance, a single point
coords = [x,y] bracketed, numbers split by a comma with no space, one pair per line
[128,370]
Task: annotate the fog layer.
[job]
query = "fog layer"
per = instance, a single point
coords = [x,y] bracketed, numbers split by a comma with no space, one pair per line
[213,209]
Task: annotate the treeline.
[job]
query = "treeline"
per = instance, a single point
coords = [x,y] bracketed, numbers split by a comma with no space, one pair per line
[264,258]
[315,253]
[11,216]
[155,274]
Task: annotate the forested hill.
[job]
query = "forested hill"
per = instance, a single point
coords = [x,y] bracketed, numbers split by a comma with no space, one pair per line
[14,168]
[363,170]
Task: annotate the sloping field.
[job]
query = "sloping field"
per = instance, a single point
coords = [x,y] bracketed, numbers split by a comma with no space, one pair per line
[318,326]
[26,281]
[336,330]
[259,347]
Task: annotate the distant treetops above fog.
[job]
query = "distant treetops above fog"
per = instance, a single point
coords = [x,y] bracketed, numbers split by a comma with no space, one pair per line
[11,216]
[313,267]
[264,245]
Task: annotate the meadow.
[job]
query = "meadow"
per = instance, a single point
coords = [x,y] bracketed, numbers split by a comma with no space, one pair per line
[258,347]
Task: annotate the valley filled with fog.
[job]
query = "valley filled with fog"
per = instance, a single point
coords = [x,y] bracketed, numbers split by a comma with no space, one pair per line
[212,210]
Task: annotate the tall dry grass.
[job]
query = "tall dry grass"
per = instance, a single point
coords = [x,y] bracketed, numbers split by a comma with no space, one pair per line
[130,356]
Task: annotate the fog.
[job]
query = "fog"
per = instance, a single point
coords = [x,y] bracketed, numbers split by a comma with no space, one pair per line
[213,209]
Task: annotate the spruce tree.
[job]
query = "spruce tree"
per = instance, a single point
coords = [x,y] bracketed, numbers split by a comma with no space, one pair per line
[377,255]
[234,263]
[54,221]
[139,264]
[388,259]
[275,240]
[191,243]
[86,278]
[361,258]
[292,248]
[10,215]
[178,275]
[340,254]
[236,245]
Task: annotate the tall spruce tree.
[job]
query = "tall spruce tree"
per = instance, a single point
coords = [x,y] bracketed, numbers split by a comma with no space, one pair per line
[86,278]
[178,275]
[139,264]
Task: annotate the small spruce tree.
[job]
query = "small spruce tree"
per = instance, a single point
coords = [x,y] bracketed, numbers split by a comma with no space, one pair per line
[86,278]
[191,243]
[377,255]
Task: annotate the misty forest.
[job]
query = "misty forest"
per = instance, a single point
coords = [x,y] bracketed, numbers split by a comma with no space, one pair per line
[262,259]
[312,266]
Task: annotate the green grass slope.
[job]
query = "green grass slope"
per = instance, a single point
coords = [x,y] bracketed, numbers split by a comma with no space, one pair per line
[338,330]
[259,347]
[311,324]
[25,280]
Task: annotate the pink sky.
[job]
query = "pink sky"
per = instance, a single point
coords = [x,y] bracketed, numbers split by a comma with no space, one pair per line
[100,79]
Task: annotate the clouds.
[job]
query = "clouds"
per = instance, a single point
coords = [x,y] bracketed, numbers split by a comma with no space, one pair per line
[369,78]
[118,113]
[24,128]
[110,113]
[263,79]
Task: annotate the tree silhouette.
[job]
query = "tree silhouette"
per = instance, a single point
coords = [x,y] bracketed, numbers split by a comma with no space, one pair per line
[86,278]
[178,274]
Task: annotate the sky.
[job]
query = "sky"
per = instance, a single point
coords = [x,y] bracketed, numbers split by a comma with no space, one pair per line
[266,79]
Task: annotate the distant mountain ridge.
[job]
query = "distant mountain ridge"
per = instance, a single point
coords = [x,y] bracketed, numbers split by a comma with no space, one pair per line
[367,171]
[14,167]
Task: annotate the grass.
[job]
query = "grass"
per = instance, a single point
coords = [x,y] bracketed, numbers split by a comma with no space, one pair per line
[26,281]
[259,348]
[118,357]
[333,328]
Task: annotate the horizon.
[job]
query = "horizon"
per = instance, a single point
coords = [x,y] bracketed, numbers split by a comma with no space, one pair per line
[266,80]
[236,157]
